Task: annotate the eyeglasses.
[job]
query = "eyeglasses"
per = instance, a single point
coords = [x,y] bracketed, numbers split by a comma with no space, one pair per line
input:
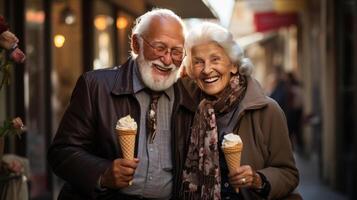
[160,49]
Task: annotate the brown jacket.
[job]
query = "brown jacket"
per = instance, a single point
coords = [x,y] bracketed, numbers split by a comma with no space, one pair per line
[266,144]
[85,144]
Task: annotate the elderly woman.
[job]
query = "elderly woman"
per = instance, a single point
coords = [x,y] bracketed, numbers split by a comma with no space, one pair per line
[233,102]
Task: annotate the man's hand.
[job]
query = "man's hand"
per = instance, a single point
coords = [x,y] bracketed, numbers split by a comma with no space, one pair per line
[119,174]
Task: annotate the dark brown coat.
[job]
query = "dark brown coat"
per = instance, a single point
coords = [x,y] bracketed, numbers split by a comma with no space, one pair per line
[266,144]
[85,144]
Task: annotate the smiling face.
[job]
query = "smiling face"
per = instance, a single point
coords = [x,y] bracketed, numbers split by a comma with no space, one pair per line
[159,72]
[211,68]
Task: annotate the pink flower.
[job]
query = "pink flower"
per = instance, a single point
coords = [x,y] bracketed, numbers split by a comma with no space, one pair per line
[8,40]
[14,126]
[17,124]
[17,56]
[16,167]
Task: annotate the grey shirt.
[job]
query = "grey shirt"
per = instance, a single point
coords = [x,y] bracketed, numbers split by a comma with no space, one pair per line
[153,176]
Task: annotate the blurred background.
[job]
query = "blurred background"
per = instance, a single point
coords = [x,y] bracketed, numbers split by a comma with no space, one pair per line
[304,53]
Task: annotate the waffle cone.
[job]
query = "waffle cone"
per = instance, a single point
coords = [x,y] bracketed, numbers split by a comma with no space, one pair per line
[126,139]
[233,156]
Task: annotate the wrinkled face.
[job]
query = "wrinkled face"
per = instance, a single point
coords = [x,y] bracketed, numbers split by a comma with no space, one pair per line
[211,68]
[157,56]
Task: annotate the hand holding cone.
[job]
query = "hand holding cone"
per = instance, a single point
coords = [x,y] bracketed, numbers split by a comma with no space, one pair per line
[126,135]
[232,147]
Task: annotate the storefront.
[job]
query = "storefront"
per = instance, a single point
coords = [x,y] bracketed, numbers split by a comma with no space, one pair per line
[62,39]
[326,41]
[346,96]
[329,44]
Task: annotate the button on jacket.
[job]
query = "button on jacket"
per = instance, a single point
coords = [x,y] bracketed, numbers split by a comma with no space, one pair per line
[85,144]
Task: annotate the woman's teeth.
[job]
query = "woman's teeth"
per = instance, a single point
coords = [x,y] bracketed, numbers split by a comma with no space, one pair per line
[210,80]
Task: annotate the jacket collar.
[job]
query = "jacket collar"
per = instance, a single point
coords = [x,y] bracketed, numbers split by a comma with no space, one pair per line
[124,79]
[254,97]
[184,94]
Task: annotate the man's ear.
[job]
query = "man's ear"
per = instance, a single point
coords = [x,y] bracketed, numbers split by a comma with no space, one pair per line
[135,46]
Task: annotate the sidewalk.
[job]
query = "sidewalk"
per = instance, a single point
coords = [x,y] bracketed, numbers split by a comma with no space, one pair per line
[310,186]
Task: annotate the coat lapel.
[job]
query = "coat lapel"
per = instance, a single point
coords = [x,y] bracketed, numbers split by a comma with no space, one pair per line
[124,79]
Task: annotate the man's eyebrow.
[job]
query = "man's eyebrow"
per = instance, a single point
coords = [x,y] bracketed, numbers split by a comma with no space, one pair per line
[164,44]
[159,42]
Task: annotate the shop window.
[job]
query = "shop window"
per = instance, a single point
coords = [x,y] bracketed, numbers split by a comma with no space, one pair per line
[66,60]
[34,97]
[124,24]
[66,51]
[104,24]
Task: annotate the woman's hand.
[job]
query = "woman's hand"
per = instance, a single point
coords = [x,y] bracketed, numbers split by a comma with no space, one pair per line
[245,176]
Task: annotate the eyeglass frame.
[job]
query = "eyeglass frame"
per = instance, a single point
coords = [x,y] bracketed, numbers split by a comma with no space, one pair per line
[166,50]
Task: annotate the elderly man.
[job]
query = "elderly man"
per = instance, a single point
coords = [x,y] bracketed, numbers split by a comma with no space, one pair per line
[85,152]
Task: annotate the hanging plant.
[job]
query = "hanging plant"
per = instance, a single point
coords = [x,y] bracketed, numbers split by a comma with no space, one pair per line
[9,52]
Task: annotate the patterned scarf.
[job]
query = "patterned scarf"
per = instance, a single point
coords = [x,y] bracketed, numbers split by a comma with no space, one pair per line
[201,174]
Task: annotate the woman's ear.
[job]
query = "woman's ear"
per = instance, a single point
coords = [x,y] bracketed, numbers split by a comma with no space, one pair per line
[135,46]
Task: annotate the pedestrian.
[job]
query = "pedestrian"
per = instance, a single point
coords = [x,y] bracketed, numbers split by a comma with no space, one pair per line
[280,88]
[294,113]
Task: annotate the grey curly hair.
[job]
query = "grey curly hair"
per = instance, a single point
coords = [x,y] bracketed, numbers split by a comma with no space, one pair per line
[210,32]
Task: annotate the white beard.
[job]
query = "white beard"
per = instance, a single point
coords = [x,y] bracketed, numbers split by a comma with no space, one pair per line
[150,79]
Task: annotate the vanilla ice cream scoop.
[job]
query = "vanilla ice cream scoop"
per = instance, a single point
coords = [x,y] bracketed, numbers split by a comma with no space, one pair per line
[126,123]
[231,140]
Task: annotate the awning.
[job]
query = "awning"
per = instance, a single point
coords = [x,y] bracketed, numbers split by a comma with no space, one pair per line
[284,6]
[268,21]
[184,8]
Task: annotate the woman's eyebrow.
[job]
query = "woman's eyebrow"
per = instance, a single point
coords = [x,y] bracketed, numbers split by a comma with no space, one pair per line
[215,55]
[196,57]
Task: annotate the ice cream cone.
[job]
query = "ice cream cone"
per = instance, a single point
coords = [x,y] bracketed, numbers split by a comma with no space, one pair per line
[126,132]
[126,139]
[233,156]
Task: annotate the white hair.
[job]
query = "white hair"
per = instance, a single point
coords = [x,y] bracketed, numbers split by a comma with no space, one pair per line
[142,23]
[210,32]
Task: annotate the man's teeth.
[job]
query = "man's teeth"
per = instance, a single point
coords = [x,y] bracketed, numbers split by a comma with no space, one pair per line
[210,80]
[162,68]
